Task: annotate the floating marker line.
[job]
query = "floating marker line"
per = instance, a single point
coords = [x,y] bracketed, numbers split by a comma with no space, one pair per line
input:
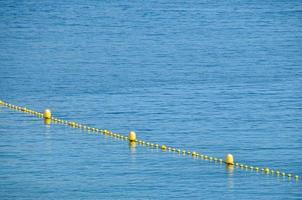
[229,161]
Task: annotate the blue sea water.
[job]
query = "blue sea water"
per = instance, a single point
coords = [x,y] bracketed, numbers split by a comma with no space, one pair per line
[215,77]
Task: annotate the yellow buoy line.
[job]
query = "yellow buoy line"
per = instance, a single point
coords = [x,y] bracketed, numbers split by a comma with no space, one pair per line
[229,160]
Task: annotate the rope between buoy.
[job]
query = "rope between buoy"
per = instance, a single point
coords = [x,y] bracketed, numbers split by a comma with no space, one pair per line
[48,118]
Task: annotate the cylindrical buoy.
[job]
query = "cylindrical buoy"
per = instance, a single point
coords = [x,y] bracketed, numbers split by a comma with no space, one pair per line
[163,147]
[47,114]
[132,136]
[229,160]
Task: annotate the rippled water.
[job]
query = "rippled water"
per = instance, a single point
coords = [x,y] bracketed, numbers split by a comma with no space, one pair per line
[215,77]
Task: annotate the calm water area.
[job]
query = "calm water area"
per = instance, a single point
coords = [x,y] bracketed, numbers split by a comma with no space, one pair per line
[214,77]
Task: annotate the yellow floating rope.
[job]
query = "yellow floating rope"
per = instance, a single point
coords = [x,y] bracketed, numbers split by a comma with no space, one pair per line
[48,118]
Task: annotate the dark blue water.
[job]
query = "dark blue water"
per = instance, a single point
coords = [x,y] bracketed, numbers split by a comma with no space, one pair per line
[215,77]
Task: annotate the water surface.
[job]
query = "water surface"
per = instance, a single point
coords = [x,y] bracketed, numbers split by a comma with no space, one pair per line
[214,77]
